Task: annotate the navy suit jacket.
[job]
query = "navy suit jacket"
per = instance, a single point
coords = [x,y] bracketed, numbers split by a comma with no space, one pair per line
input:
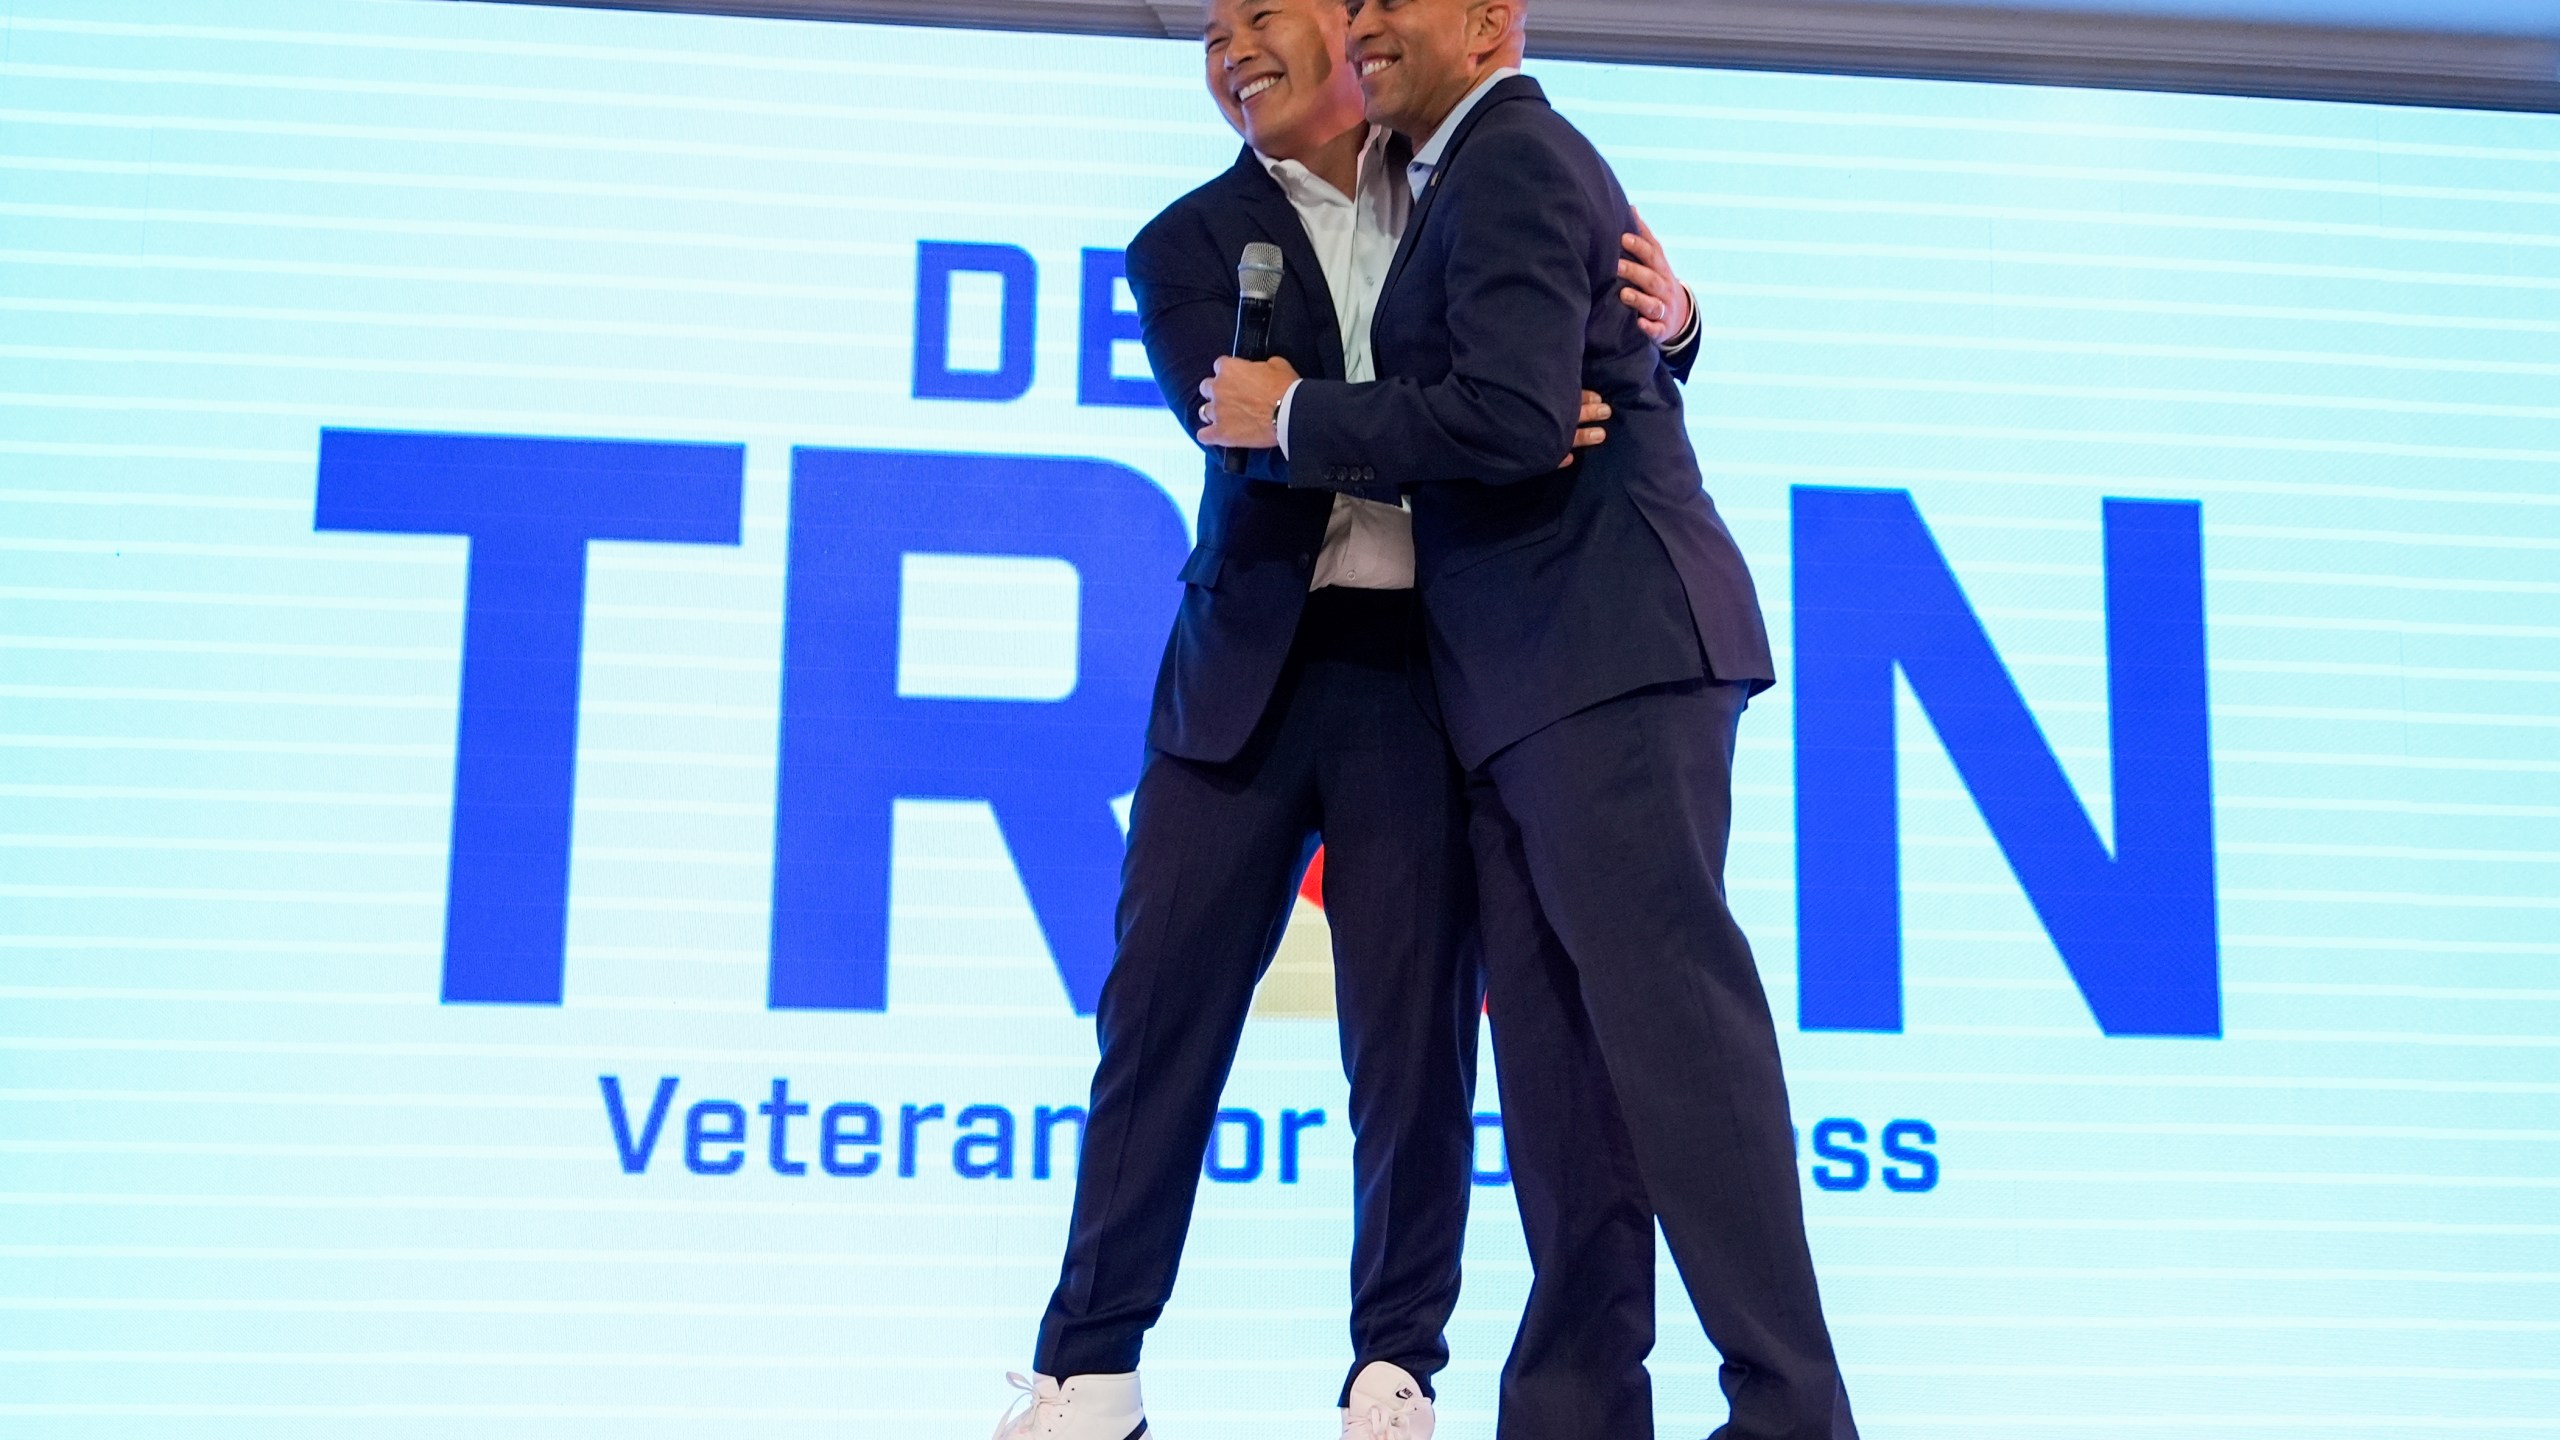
[1245,584]
[1544,590]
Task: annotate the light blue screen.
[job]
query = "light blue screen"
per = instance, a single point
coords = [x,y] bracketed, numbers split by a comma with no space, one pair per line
[2511,17]
[258,1178]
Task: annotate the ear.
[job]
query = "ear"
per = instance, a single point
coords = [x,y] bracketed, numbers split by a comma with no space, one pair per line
[1493,25]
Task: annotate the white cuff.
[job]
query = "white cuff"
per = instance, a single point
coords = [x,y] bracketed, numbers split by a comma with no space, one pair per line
[1688,335]
[1287,397]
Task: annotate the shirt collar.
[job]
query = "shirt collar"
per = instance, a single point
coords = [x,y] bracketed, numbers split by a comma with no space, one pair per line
[1426,156]
[1300,182]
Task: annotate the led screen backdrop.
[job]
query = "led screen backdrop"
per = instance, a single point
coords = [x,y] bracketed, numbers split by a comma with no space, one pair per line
[578,596]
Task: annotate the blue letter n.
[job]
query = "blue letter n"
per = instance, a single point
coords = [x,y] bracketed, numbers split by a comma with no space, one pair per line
[529,508]
[2136,928]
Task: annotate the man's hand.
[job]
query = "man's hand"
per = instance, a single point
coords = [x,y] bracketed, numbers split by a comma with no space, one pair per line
[1243,402]
[1661,302]
[1587,432]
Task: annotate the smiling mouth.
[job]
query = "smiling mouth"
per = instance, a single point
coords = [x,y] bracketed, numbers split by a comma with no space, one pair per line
[1255,87]
[1370,67]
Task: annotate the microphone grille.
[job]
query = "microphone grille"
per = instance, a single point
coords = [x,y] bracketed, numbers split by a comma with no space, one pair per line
[1258,271]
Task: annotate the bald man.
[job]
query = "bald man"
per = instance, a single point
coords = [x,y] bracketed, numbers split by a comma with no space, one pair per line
[1594,637]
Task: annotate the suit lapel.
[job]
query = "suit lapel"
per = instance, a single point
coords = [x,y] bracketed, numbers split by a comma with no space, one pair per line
[1518,87]
[1302,276]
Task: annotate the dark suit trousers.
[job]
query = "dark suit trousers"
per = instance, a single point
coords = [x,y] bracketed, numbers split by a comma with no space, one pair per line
[1215,855]
[1640,1076]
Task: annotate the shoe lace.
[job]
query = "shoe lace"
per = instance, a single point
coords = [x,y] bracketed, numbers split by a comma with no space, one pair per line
[1025,1409]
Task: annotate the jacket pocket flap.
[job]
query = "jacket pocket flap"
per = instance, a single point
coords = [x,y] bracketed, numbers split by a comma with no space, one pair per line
[1202,568]
[1468,556]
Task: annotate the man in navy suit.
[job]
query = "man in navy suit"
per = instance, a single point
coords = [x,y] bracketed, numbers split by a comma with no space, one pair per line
[1287,711]
[1594,636]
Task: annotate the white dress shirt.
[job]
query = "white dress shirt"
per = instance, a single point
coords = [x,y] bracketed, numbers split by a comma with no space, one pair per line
[1367,545]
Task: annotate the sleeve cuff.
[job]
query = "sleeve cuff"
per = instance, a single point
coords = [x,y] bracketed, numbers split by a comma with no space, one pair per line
[1289,397]
[1688,335]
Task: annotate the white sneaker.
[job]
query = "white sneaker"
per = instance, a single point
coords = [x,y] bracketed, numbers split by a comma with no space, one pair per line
[1386,1404]
[1084,1407]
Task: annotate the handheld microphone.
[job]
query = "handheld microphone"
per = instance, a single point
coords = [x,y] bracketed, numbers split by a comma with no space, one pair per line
[1257,287]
